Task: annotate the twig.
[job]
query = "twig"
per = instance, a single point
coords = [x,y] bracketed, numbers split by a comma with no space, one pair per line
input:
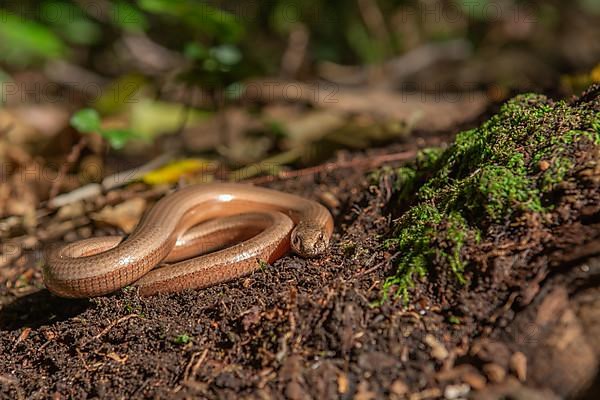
[110,182]
[75,77]
[81,193]
[23,336]
[294,55]
[71,159]
[124,177]
[191,369]
[398,68]
[271,163]
[377,266]
[110,326]
[374,20]
[6,129]
[140,388]
[191,372]
[149,56]
[369,162]
[424,56]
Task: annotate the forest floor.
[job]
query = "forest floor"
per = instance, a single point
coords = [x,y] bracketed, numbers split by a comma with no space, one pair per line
[527,325]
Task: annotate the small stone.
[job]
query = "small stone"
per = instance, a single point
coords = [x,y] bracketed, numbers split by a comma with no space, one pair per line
[474,379]
[49,335]
[294,391]
[518,364]
[452,392]
[30,242]
[494,372]
[543,165]
[342,383]
[438,351]
[84,232]
[329,199]
[376,361]
[71,237]
[399,387]
[363,392]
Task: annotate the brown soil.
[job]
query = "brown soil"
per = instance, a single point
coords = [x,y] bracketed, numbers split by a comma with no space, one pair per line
[308,328]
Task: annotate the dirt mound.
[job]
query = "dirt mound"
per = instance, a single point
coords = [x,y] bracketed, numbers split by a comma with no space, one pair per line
[490,241]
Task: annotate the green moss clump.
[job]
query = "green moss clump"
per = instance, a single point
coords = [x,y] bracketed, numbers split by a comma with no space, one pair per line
[508,166]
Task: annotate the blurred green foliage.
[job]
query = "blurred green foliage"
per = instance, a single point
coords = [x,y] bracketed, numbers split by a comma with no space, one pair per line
[227,41]
[24,41]
[221,38]
[70,22]
[88,120]
[198,16]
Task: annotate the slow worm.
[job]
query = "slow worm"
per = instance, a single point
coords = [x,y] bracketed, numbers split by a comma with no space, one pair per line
[194,220]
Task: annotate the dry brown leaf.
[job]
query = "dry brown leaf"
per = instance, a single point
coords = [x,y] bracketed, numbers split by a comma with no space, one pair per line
[117,357]
[125,215]
[423,111]
[72,210]
[228,126]
[313,126]
[47,119]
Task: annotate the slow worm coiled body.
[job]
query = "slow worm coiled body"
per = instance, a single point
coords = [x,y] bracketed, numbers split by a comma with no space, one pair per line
[175,228]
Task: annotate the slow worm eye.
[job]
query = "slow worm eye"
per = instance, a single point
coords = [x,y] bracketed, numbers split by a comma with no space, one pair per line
[295,241]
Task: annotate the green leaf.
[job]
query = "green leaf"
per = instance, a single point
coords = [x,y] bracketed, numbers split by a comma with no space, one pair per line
[369,50]
[118,138]
[195,51]
[477,9]
[120,94]
[70,22]
[148,118]
[183,339]
[129,17]
[213,21]
[23,41]
[82,31]
[226,54]
[591,6]
[235,91]
[86,120]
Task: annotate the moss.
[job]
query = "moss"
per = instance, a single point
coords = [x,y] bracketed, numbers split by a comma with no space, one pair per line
[489,175]
[555,173]
[414,244]
[457,233]
[428,158]
[182,339]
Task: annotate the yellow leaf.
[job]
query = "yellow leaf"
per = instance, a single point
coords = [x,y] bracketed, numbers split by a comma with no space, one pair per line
[172,172]
[150,118]
[120,94]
